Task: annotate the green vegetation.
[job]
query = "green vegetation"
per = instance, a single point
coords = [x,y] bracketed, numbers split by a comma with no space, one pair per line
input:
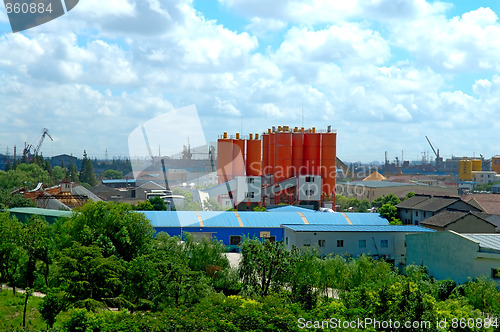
[107,257]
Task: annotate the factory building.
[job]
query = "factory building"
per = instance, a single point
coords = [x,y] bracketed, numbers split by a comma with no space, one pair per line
[293,166]
[231,226]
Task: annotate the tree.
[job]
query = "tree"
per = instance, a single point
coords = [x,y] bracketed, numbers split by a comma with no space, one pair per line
[389,199]
[410,195]
[87,172]
[112,174]
[50,307]
[72,170]
[158,203]
[87,277]
[212,205]
[114,227]
[388,211]
[263,265]
[10,249]
[58,173]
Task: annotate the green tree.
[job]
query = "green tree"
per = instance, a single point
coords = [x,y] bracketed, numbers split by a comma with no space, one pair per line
[10,249]
[388,211]
[87,277]
[72,170]
[158,203]
[212,205]
[87,174]
[112,174]
[8,200]
[50,307]
[144,206]
[410,195]
[389,199]
[114,227]
[24,175]
[263,265]
[58,173]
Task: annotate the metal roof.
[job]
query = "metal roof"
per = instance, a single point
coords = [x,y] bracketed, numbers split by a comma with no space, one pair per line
[41,212]
[377,184]
[486,241]
[257,219]
[291,208]
[358,228]
[112,181]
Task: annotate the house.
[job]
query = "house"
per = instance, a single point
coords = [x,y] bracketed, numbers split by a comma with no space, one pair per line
[460,222]
[495,189]
[420,207]
[378,241]
[450,255]
[489,203]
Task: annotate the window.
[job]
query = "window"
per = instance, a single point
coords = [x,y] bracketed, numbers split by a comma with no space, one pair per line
[286,240]
[321,243]
[416,213]
[310,192]
[384,243]
[250,194]
[495,273]
[362,243]
[340,243]
[272,239]
[425,214]
[250,180]
[234,240]
[307,243]
[309,179]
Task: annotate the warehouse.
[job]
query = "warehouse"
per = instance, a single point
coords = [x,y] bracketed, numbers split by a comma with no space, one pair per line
[387,241]
[231,226]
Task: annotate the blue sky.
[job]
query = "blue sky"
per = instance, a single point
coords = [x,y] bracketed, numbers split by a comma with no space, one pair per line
[383,73]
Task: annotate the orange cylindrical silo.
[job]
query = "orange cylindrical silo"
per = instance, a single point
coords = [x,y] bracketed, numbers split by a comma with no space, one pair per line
[265,153]
[329,162]
[312,153]
[224,159]
[298,154]
[271,153]
[283,156]
[253,165]
[238,156]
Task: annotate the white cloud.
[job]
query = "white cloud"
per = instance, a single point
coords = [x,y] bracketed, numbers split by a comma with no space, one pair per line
[467,43]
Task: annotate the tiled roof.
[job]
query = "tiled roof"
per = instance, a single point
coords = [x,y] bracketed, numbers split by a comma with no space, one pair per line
[434,204]
[490,203]
[444,218]
[412,201]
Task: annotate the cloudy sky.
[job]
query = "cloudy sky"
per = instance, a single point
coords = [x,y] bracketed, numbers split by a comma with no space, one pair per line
[383,73]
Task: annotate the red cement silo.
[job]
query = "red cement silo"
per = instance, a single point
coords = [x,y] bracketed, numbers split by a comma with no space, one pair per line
[329,162]
[224,159]
[265,153]
[238,156]
[283,155]
[312,152]
[271,153]
[253,165]
[297,153]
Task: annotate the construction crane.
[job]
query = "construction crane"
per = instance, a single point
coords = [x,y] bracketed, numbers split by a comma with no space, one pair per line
[439,160]
[347,171]
[39,145]
[27,147]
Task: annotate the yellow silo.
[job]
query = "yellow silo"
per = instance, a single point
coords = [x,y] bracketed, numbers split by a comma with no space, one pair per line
[495,164]
[465,170]
[477,165]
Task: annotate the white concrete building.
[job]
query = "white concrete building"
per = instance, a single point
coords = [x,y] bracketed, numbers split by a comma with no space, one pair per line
[484,177]
[379,241]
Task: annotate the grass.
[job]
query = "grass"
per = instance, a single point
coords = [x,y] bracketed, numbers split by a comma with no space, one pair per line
[11,313]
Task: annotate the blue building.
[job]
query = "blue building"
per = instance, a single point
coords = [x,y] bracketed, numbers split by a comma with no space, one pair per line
[231,226]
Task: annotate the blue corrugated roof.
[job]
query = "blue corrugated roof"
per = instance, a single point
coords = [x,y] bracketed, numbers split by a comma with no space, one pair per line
[377,184]
[109,181]
[291,208]
[358,228]
[258,219]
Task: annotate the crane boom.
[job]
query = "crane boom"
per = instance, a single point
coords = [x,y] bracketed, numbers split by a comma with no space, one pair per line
[39,145]
[428,140]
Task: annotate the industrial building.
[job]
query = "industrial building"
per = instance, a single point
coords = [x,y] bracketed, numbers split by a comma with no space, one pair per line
[231,226]
[378,241]
[293,166]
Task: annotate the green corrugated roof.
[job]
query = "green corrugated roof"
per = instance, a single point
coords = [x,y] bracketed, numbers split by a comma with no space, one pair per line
[41,212]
